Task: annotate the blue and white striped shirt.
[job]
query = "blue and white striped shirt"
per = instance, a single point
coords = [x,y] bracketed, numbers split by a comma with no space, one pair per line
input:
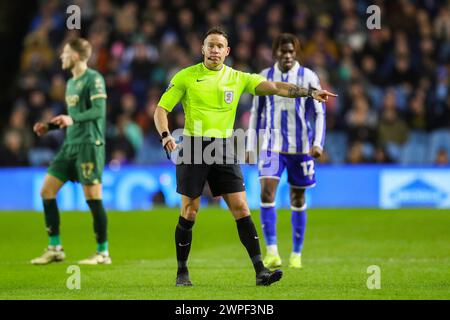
[285,121]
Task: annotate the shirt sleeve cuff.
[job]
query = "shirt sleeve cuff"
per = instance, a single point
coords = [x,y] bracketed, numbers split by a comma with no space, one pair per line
[168,109]
[97,96]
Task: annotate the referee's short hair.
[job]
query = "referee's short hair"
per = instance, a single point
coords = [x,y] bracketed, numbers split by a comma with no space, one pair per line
[217,30]
[284,38]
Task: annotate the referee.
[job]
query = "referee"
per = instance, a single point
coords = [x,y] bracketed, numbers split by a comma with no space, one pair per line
[209,92]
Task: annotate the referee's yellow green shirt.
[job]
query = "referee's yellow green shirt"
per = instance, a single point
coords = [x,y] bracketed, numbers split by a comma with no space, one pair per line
[209,98]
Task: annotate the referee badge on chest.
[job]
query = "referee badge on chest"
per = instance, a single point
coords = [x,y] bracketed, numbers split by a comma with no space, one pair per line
[229,95]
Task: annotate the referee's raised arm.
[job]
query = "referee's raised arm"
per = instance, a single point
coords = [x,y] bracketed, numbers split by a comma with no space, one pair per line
[290,90]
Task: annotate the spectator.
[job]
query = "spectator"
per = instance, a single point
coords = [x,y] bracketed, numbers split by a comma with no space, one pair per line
[18,123]
[400,72]
[361,121]
[355,153]
[417,115]
[37,56]
[120,149]
[442,158]
[381,155]
[37,102]
[12,150]
[391,128]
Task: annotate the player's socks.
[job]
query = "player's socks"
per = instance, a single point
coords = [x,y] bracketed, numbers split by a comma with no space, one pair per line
[272,249]
[298,228]
[269,220]
[100,224]
[54,251]
[51,213]
[103,248]
[183,239]
[250,240]
[54,241]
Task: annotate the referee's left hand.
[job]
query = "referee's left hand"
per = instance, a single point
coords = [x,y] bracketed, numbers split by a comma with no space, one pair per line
[169,143]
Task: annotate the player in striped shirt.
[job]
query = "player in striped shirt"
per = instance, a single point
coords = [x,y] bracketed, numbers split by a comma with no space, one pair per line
[288,142]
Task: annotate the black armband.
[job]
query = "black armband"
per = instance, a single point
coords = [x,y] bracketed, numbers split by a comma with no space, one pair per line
[52,126]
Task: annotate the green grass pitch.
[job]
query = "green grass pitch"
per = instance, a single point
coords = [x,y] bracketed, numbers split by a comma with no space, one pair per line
[411,247]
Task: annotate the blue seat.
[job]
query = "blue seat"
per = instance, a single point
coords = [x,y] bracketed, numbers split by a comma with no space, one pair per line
[368,150]
[439,139]
[336,144]
[150,153]
[394,151]
[39,157]
[415,150]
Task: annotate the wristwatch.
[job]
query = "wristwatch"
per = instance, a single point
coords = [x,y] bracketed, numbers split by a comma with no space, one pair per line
[164,135]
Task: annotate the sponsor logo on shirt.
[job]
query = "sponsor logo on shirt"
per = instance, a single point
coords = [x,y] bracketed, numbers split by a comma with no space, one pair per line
[79,85]
[72,100]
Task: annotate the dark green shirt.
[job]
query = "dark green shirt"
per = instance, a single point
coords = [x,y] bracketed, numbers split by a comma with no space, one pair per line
[86,105]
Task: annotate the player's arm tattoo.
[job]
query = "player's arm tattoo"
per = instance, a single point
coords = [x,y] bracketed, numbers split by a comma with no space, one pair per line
[295,91]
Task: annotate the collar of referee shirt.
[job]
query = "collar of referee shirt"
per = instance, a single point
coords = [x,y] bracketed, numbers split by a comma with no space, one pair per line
[212,70]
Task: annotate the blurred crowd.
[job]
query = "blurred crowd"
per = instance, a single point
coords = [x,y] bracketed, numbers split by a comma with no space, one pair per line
[393,82]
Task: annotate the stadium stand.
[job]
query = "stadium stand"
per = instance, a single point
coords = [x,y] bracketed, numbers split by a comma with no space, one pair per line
[385,78]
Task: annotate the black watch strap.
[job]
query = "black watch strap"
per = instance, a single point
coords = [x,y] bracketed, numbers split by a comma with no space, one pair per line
[164,135]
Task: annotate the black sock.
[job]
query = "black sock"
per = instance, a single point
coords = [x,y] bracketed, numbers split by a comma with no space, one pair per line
[51,216]
[100,220]
[250,240]
[183,239]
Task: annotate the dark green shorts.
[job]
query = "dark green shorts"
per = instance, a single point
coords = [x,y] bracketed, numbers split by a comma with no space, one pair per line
[80,162]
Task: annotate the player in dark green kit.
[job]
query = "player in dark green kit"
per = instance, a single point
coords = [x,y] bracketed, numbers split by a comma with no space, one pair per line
[82,156]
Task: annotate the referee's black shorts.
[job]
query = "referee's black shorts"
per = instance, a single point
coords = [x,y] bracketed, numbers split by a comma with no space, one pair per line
[194,169]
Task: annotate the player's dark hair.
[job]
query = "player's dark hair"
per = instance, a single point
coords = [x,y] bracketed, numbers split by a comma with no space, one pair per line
[284,38]
[217,30]
[82,46]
